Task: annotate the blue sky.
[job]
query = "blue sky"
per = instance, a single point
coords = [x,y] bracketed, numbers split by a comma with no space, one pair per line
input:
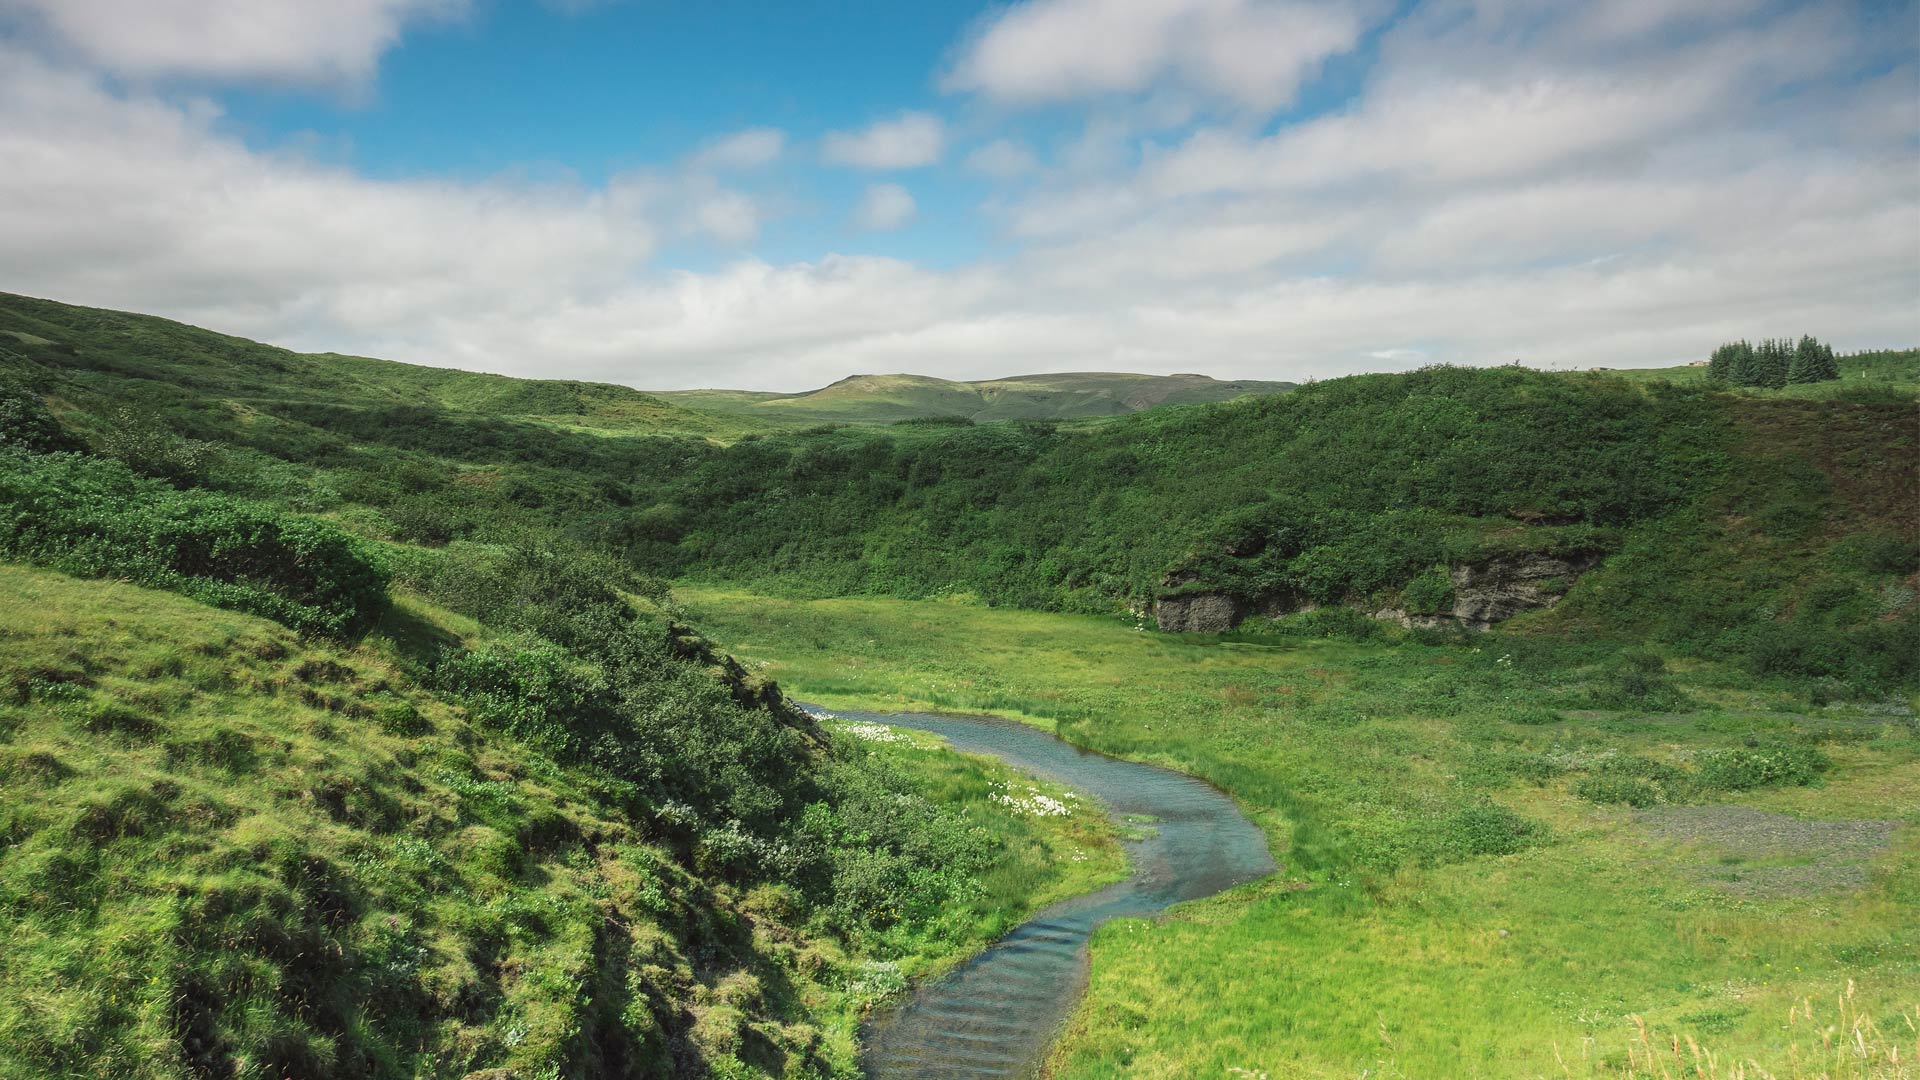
[777,195]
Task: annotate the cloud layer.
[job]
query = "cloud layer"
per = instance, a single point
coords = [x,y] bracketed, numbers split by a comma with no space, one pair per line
[1613,183]
[334,42]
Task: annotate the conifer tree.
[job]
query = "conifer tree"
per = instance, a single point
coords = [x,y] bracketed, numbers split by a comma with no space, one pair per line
[1732,364]
[1812,362]
[1770,362]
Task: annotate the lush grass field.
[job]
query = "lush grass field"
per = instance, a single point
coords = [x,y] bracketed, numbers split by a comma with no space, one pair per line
[1412,931]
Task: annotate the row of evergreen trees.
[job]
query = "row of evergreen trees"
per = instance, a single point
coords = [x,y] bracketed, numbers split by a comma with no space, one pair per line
[1772,363]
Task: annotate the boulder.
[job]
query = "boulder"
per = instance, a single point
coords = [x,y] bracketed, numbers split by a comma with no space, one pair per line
[1199,613]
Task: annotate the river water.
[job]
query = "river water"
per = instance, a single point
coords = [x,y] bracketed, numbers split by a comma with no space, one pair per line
[995,1016]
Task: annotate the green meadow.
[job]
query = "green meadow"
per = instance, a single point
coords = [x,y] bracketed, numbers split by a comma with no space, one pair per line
[1449,905]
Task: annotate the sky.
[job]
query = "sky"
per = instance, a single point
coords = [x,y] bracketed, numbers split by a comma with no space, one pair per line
[774,195]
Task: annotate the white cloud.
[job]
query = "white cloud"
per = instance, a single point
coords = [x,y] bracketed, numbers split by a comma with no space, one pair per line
[884,207]
[1253,53]
[727,216]
[336,42]
[1476,202]
[1002,159]
[910,140]
[754,148]
[132,200]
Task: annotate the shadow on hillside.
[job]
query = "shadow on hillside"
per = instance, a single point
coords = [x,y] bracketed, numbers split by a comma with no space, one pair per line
[417,640]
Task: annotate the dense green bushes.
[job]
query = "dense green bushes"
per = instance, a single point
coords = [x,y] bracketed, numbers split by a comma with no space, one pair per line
[26,424]
[94,517]
[1640,782]
[1339,489]
[680,734]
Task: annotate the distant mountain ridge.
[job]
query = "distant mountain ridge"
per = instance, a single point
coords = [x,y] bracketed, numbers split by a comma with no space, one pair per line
[1062,396]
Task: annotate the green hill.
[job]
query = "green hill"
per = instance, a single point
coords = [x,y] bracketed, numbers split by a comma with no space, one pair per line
[177,364]
[350,726]
[890,398]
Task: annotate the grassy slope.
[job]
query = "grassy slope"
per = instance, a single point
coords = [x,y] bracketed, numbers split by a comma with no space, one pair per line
[246,373]
[1480,967]
[206,822]
[887,398]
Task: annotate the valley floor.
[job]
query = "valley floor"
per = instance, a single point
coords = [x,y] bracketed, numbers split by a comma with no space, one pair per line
[1467,887]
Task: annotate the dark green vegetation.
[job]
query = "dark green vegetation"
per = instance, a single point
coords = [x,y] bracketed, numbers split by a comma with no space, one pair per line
[881,399]
[1773,363]
[477,570]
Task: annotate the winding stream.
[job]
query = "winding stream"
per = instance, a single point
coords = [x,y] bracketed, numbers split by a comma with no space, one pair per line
[995,1015]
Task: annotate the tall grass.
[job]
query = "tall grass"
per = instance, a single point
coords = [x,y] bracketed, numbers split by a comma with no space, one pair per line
[1844,1044]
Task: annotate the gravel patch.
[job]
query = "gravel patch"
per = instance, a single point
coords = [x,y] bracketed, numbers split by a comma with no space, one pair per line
[1753,853]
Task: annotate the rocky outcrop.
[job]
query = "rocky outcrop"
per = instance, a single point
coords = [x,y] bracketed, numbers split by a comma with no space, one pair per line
[1500,588]
[1199,613]
[1484,593]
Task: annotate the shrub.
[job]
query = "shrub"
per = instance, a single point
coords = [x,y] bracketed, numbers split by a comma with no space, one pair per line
[1338,623]
[1639,680]
[1482,828]
[26,424]
[1774,765]
[151,450]
[1633,780]
[93,517]
[1617,789]
[1429,594]
[1877,553]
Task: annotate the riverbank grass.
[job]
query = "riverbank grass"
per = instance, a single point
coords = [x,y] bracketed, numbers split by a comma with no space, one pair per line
[1449,902]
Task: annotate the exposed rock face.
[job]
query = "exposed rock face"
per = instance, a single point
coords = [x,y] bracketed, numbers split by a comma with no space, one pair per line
[1199,613]
[1483,594]
[1505,587]
[1499,589]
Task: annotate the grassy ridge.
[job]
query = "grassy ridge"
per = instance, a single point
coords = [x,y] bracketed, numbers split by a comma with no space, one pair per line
[512,817]
[883,399]
[1411,931]
[177,365]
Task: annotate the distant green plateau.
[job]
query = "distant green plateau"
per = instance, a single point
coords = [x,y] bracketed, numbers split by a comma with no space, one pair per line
[887,398]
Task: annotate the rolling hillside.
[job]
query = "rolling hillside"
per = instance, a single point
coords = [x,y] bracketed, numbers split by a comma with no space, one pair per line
[888,398]
[388,745]
[165,362]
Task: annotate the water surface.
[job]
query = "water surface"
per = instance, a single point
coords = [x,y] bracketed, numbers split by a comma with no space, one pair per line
[995,1015]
